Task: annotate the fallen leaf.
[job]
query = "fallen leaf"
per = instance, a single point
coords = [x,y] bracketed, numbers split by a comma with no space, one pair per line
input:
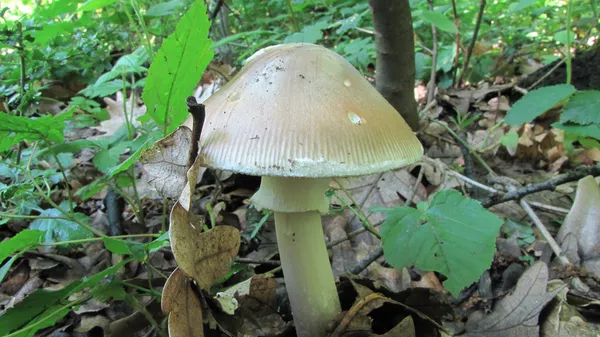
[516,315]
[117,113]
[563,320]
[183,306]
[583,221]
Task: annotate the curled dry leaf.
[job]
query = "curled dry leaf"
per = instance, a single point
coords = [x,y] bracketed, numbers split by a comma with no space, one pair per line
[517,314]
[166,162]
[583,221]
[183,306]
[205,256]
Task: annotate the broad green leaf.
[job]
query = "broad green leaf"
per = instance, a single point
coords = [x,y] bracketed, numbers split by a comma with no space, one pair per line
[165,8]
[592,130]
[452,235]
[90,5]
[348,23]
[309,34]
[510,139]
[583,108]
[107,160]
[124,247]
[104,89]
[42,302]
[519,6]
[112,290]
[440,21]
[46,319]
[562,37]
[130,63]
[6,267]
[23,239]
[177,68]
[60,229]
[14,129]
[536,102]
[158,243]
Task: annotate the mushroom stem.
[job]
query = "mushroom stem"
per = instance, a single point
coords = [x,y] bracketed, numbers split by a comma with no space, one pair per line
[308,277]
[309,281]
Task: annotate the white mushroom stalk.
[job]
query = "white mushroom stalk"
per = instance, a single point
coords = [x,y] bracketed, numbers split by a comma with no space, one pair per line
[309,280]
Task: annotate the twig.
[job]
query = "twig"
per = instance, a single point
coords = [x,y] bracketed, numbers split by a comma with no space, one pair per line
[548,207]
[259,261]
[574,175]
[413,192]
[432,85]
[472,182]
[198,115]
[457,42]
[460,140]
[540,226]
[215,11]
[472,44]
[363,264]
[348,237]
[465,150]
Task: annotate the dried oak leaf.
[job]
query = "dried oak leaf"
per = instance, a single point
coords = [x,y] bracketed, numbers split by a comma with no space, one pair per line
[205,256]
[516,315]
[183,306]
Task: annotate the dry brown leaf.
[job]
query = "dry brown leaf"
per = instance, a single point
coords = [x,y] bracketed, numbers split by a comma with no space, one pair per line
[117,114]
[583,221]
[166,163]
[205,256]
[563,320]
[183,306]
[516,315]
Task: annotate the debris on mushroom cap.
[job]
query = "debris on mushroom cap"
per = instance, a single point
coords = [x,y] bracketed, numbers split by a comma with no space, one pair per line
[301,110]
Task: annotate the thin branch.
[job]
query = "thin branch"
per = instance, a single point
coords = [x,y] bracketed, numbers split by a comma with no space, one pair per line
[472,182]
[259,261]
[540,226]
[432,85]
[548,207]
[413,192]
[363,264]
[574,175]
[472,44]
[457,42]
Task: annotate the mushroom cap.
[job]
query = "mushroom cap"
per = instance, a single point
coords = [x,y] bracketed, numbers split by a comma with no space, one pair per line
[301,110]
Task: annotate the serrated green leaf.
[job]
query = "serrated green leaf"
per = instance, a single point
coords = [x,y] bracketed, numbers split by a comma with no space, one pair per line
[177,68]
[452,235]
[583,108]
[23,239]
[104,89]
[536,102]
[14,129]
[439,20]
[165,8]
[60,229]
[309,34]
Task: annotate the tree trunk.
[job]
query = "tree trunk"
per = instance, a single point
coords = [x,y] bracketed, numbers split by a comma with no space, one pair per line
[395,43]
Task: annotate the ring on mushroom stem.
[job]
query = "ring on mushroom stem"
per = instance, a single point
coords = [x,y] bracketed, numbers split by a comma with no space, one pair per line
[297,115]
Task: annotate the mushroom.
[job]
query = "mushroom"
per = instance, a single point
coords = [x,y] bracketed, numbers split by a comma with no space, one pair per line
[298,115]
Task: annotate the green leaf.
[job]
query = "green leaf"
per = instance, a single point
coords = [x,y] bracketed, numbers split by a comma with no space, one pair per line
[104,89]
[452,235]
[165,8]
[42,303]
[592,130]
[60,229]
[91,5]
[111,290]
[309,34]
[583,108]
[177,68]
[561,37]
[440,21]
[510,139]
[14,129]
[23,239]
[124,247]
[536,102]
[519,6]
[158,243]
[6,267]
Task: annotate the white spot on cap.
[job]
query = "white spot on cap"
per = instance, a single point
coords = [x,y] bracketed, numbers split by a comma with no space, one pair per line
[355,119]
[347,83]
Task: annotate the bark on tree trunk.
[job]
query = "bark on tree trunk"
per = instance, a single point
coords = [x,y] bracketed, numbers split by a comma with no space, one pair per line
[396,56]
